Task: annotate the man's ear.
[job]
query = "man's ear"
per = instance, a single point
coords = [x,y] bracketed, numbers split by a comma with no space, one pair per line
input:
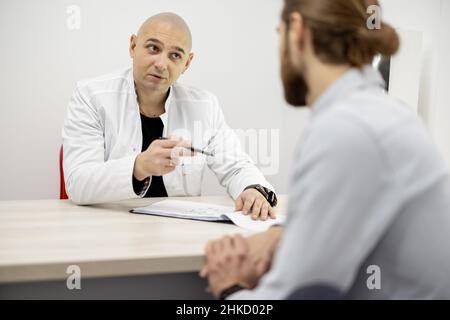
[296,29]
[133,40]
[188,62]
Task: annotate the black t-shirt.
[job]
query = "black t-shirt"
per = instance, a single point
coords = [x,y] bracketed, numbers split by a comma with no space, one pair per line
[152,128]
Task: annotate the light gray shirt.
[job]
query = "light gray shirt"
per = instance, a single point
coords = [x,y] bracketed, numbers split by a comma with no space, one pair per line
[369,203]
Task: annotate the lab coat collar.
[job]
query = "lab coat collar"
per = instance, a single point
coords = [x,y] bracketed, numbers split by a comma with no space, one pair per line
[164,117]
[351,81]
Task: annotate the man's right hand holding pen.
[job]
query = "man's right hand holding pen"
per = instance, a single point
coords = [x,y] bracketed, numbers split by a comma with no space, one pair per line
[161,157]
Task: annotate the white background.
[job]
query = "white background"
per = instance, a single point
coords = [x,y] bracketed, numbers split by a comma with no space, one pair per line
[236,49]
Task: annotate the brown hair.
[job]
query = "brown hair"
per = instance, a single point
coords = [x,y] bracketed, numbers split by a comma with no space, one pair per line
[339,30]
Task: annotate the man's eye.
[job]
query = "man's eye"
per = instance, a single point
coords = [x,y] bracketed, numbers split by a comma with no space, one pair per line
[152,48]
[176,56]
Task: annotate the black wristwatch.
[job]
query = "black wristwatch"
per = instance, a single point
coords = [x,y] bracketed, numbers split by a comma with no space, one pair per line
[229,291]
[267,193]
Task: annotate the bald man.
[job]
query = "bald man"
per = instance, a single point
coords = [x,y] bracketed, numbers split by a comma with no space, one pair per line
[113,134]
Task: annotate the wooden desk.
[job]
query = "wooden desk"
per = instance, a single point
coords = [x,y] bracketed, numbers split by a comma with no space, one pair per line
[40,239]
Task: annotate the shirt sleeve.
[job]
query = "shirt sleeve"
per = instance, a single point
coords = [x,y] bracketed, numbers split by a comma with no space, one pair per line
[234,168]
[341,202]
[141,187]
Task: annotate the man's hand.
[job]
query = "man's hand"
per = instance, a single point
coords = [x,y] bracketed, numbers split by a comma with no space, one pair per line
[160,158]
[228,263]
[263,245]
[256,260]
[251,201]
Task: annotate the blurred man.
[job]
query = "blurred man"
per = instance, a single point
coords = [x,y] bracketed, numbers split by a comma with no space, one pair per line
[369,203]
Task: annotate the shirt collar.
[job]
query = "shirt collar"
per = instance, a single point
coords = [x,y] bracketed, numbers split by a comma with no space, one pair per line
[351,81]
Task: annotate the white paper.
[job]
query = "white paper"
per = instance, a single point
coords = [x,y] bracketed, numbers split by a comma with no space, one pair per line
[246,222]
[206,212]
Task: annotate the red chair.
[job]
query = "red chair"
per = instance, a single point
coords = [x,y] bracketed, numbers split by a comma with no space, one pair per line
[62,184]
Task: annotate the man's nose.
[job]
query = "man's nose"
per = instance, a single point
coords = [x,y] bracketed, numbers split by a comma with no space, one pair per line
[161,63]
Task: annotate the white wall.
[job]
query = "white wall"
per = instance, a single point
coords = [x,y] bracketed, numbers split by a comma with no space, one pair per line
[236,50]
[432,18]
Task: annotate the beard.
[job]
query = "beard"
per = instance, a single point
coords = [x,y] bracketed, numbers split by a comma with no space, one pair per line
[294,84]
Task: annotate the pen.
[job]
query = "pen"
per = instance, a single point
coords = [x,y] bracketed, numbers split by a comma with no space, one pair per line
[193,149]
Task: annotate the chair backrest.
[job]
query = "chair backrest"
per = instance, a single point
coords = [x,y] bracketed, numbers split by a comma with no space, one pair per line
[62,184]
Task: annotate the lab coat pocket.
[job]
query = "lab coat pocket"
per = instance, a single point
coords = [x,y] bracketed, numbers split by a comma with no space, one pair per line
[191,170]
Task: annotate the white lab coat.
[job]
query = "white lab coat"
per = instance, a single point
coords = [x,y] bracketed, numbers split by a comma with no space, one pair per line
[102,136]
